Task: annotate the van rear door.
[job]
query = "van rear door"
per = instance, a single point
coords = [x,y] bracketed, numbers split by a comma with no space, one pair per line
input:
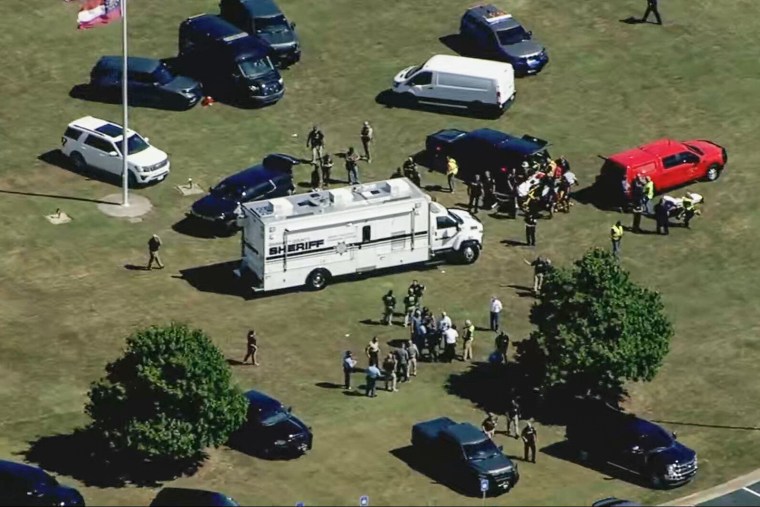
[505,85]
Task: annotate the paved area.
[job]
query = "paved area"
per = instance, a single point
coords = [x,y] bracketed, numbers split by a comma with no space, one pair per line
[744,490]
[138,206]
[747,495]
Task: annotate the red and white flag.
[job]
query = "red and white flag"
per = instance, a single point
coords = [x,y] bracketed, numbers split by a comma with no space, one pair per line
[94,13]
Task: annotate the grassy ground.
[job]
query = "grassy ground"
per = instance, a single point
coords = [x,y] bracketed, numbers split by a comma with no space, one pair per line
[67,302]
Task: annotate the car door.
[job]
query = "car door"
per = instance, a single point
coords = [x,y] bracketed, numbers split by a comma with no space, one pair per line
[676,170]
[445,231]
[421,85]
[101,154]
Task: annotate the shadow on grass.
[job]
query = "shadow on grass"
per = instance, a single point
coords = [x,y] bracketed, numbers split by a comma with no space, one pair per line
[457,44]
[58,159]
[430,469]
[329,385]
[82,456]
[511,242]
[390,100]
[135,267]
[217,278]
[703,425]
[565,451]
[630,20]
[197,228]
[53,196]
[235,362]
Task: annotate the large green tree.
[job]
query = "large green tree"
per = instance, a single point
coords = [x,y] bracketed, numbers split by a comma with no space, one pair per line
[168,397]
[595,329]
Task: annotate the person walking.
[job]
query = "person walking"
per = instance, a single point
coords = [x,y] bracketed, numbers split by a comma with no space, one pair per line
[373,351]
[489,425]
[352,166]
[389,371]
[662,216]
[373,373]
[495,313]
[616,235]
[452,169]
[154,244]
[502,346]
[529,438]
[402,363]
[349,363]
[530,229]
[541,266]
[326,164]
[513,417]
[467,339]
[389,308]
[316,141]
[252,348]
[652,9]
[410,305]
[368,138]
[450,337]
[414,354]
[475,191]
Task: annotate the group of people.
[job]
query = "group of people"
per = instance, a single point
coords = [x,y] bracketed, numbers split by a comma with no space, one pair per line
[322,162]
[409,170]
[529,435]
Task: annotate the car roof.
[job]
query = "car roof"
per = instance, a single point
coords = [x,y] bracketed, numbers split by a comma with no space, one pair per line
[261,8]
[187,497]
[507,142]
[213,26]
[259,399]
[647,152]
[492,16]
[103,127]
[465,433]
[474,67]
[134,63]
[29,472]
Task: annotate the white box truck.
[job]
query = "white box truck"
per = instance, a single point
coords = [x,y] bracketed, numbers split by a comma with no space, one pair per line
[481,86]
[309,239]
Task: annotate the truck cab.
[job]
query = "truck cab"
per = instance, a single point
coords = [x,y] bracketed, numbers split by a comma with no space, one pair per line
[455,232]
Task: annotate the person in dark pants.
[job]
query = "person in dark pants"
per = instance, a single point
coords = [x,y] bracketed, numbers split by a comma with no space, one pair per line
[661,215]
[489,188]
[502,346]
[315,182]
[530,229]
[652,9]
[389,307]
[316,141]
[637,212]
[475,191]
[368,137]
[373,373]
[154,244]
[373,352]
[327,164]
[252,348]
[349,363]
[352,166]
[529,438]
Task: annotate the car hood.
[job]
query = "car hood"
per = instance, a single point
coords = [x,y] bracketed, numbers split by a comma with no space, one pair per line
[523,49]
[676,453]
[149,156]
[66,496]
[278,39]
[212,206]
[401,76]
[182,84]
[707,147]
[492,465]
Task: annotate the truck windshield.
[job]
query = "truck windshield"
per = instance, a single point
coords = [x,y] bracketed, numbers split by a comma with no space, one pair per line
[272,25]
[255,68]
[481,450]
[456,218]
[656,439]
[512,36]
[272,417]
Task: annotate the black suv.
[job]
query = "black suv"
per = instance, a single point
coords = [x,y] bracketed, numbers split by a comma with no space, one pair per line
[22,484]
[185,497]
[150,82]
[229,62]
[264,19]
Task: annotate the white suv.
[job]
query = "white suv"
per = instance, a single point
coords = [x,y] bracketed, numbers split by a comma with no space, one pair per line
[92,143]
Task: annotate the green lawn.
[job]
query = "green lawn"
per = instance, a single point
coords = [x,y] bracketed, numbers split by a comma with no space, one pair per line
[67,302]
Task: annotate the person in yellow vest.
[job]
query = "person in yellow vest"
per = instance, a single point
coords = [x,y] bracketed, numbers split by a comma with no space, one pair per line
[616,234]
[452,169]
[649,194]
[689,208]
[469,336]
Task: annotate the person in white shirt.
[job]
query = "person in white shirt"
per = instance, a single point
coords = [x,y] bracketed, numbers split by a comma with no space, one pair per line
[450,337]
[444,323]
[496,308]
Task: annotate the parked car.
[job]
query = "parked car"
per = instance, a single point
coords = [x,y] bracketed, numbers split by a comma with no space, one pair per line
[481,87]
[230,63]
[150,82]
[271,429]
[465,455]
[669,163]
[496,35]
[94,144]
[264,19]
[614,502]
[185,497]
[484,150]
[273,177]
[640,447]
[22,484]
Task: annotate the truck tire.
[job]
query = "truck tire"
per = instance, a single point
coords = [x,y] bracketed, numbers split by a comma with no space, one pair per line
[469,253]
[655,481]
[713,172]
[317,279]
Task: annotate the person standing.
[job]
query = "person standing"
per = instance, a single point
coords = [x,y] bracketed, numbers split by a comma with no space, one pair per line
[389,370]
[662,216]
[637,212]
[316,141]
[652,9]
[414,354]
[689,208]
[252,348]
[349,363]
[352,166]
[489,189]
[327,165]
[368,138]
[616,235]
[529,438]
[315,183]
[502,346]
[452,169]
[513,417]
[450,337]
[373,351]
[402,363]
[530,229]
[419,290]
[495,313]
[373,373]
[410,305]
[444,323]
[648,194]
[475,191]
[467,339]
[389,307]
[489,425]
[154,244]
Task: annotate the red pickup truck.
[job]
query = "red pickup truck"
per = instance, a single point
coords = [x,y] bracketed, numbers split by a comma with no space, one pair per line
[669,163]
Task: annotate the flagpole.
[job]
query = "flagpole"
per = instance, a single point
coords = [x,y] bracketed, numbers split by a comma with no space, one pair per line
[124,103]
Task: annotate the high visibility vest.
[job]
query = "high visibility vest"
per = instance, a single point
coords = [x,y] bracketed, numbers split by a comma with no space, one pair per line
[687,203]
[452,168]
[649,190]
[617,232]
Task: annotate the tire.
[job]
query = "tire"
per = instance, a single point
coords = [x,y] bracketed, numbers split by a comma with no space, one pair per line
[713,172]
[655,481]
[132,180]
[78,163]
[469,253]
[317,279]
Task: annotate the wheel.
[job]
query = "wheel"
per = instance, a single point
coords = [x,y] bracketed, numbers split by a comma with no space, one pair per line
[78,163]
[655,481]
[132,180]
[469,253]
[317,279]
[407,99]
[713,172]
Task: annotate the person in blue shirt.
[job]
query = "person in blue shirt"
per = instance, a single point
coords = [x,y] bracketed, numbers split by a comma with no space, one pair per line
[373,373]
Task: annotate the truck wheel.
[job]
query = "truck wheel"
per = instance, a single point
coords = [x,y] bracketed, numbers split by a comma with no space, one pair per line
[132,180]
[78,163]
[713,172]
[469,253]
[317,279]
[655,481]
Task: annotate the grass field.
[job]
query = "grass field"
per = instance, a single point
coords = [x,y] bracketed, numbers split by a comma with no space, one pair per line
[67,302]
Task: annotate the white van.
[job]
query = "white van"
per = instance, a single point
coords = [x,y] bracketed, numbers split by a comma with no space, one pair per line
[458,82]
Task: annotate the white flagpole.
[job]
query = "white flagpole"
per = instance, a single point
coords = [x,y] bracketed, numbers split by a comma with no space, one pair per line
[124,103]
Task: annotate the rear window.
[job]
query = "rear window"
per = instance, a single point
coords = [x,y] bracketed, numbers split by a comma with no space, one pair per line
[72,133]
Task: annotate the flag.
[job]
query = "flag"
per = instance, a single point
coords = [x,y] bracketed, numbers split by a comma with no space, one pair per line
[94,13]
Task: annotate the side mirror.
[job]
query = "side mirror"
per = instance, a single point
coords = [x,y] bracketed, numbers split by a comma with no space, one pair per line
[293,25]
[674,435]
[290,409]
[501,447]
[113,154]
[147,139]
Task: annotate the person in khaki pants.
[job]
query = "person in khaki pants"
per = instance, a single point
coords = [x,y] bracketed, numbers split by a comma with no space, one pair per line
[154,244]
[468,335]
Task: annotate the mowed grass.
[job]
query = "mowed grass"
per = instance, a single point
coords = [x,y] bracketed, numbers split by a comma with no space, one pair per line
[67,302]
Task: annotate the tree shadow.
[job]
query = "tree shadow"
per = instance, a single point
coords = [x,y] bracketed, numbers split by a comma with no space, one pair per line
[329,385]
[217,278]
[480,384]
[566,452]
[86,458]
[435,472]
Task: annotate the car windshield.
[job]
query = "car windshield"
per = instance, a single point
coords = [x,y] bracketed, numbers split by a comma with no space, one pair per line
[481,450]
[412,71]
[695,149]
[163,75]
[227,191]
[512,35]
[656,439]
[272,416]
[135,144]
[255,68]
[272,24]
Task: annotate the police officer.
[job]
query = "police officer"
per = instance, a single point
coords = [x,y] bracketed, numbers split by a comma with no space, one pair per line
[616,235]
[661,214]
[541,265]
[389,305]
[154,244]
[530,229]
[352,166]
[529,438]
[327,165]
[652,9]
[637,212]
[418,289]
[689,210]
[410,305]
[467,339]
[316,141]
[489,188]
[368,137]
[475,191]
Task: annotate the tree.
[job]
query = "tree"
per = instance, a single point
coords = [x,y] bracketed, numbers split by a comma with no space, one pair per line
[595,329]
[167,398]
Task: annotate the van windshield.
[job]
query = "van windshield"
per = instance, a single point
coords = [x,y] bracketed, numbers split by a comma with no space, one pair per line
[272,24]
[512,35]
[412,71]
[255,68]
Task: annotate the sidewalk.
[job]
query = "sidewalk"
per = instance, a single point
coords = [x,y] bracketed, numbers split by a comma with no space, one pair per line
[717,491]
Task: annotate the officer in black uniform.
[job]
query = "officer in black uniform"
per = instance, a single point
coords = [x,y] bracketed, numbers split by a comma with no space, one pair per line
[661,213]
[489,185]
[530,229]
[475,191]
[389,307]
[652,9]
[637,212]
